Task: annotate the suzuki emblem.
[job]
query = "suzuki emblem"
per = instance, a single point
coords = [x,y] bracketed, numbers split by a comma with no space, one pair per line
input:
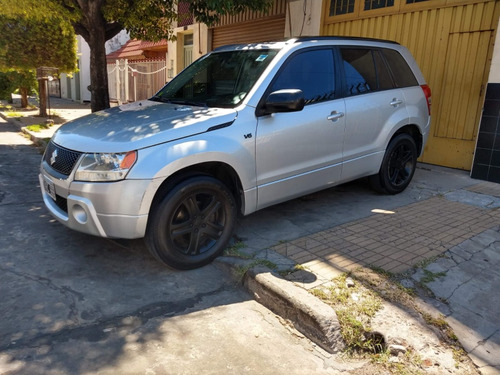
[53,157]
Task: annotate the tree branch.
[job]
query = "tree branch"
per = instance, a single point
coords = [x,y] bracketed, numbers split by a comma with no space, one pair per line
[81,30]
[113,28]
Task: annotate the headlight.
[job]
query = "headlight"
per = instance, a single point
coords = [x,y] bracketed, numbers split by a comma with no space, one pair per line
[105,167]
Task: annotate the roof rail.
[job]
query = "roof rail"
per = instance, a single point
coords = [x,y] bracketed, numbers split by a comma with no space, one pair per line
[337,37]
[302,39]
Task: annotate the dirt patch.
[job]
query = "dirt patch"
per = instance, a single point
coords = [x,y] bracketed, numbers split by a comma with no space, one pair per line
[393,326]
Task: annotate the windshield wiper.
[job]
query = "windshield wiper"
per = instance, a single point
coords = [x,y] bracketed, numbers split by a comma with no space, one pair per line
[188,102]
[157,98]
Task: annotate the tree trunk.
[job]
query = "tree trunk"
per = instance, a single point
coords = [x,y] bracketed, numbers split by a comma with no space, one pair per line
[96,38]
[98,74]
[24,97]
[94,28]
[42,87]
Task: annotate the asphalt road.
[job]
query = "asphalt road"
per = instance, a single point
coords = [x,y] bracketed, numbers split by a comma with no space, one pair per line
[75,304]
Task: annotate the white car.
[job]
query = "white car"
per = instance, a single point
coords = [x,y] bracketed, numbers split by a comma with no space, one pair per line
[242,128]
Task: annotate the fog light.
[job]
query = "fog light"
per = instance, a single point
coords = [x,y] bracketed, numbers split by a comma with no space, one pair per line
[79,214]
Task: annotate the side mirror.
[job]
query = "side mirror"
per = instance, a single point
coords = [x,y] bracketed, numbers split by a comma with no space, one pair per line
[289,100]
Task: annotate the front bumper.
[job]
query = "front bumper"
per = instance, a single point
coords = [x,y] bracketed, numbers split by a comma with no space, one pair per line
[112,210]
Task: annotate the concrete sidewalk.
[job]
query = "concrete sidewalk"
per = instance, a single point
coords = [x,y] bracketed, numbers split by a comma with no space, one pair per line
[452,232]
[454,237]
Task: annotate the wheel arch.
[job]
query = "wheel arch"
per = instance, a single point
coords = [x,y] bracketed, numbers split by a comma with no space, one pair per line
[218,170]
[414,131]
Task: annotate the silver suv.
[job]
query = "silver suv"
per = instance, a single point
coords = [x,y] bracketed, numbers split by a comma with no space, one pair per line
[242,128]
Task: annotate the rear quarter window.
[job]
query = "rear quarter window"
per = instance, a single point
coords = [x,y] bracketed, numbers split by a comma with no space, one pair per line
[403,75]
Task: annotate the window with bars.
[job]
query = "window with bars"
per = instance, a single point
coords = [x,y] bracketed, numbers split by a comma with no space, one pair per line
[338,7]
[377,4]
[354,7]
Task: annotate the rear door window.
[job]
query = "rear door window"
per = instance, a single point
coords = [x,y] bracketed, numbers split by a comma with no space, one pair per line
[365,71]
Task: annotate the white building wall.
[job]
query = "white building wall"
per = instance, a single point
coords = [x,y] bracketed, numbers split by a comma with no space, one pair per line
[84,66]
[303,18]
[494,76]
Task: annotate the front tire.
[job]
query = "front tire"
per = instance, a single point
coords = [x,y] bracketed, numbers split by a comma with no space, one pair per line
[192,224]
[398,166]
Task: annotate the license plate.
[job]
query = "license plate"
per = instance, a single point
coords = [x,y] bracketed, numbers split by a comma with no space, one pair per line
[49,187]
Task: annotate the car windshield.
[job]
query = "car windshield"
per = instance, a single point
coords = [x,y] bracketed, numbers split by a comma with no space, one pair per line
[220,79]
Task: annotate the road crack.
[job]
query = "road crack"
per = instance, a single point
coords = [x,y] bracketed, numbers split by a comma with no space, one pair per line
[72,295]
[101,330]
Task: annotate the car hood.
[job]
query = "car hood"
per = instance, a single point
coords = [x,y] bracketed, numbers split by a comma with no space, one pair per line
[137,125]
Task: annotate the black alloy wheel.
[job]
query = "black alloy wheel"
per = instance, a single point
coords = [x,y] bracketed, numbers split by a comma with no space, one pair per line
[398,165]
[192,224]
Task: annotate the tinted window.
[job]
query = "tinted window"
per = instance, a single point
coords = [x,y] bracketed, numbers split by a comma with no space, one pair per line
[310,71]
[359,69]
[401,71]
[365,71]
[384,78]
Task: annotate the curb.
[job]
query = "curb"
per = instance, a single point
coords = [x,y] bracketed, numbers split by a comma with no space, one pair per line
[313,318]
[39,142]
[21,128]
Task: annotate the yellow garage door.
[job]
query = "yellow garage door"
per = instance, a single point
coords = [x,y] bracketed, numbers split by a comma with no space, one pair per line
[452,42]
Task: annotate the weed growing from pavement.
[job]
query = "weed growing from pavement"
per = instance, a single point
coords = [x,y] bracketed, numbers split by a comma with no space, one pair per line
[431,276]
[355,305]
[37,127]
[409,363]
[235,251]
[242,270]
[297,267]
[459,353]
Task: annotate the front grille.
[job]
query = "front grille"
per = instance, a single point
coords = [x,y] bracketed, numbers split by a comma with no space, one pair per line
[60,159]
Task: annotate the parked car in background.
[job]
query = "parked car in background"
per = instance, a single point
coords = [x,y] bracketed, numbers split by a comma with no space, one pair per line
[242,128]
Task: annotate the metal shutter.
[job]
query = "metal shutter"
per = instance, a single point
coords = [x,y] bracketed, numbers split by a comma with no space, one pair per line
[262,30]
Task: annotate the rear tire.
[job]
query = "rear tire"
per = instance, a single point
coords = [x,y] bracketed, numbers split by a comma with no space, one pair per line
[192,224]
[398,166]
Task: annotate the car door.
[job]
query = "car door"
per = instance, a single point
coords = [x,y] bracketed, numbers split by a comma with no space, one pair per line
[300,152]
[374,108]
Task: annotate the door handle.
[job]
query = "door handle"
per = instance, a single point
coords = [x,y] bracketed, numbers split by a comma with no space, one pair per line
[395,102]
[334,116]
